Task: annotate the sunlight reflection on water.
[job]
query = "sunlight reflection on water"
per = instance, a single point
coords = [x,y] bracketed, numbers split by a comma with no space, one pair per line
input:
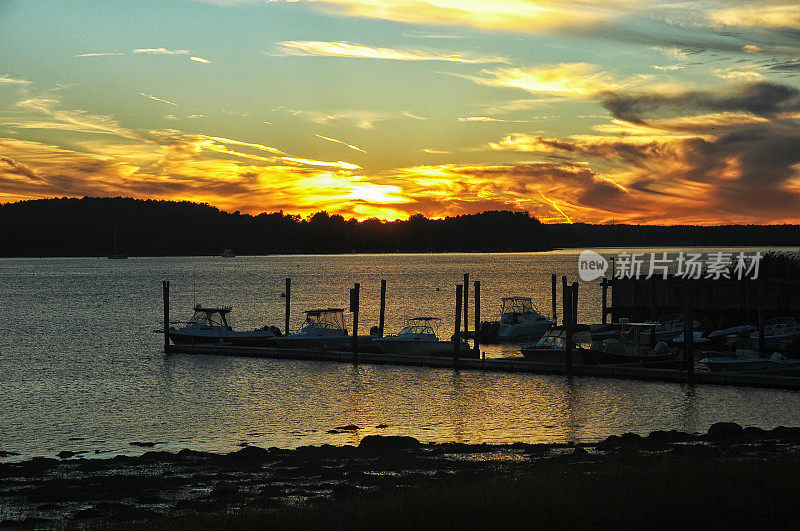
[79,360]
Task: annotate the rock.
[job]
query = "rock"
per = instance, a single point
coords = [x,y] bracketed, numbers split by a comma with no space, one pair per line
[752,433]
[381,426]
[250,453]
[667,437]
[66,454]
[786,434]
[349,427]
[143,444]
[334,432]
[223,489]
[609,443]
[386,442]
[4,453]
[724,431]
[579,451]
[630,439]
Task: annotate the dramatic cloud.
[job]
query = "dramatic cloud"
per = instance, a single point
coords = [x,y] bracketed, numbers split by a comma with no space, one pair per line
[760,99]
[359,51]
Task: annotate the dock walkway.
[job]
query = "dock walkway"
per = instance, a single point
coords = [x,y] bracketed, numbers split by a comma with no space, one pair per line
[630,372]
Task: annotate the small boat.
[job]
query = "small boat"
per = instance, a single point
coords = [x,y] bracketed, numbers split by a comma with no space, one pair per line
[419,337]
[552,346]
[633,343]
[323,328]
[519,319]
[745,360]
[210,325]
[227,253]
[778,332]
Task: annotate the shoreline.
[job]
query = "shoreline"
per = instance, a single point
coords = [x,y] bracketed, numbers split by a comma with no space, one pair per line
[188,484]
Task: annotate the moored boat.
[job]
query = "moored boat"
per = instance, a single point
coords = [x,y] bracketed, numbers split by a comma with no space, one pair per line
[323,328]
[519,319]
[552,346]
[419,337]
[632,343]
[210,325]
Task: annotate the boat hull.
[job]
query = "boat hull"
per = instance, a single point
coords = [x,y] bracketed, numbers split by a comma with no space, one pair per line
[391,345]
[255,338]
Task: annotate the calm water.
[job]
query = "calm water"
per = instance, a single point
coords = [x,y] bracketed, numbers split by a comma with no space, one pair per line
[81,369]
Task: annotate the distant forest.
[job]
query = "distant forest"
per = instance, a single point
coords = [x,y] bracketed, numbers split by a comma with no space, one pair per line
[86,227]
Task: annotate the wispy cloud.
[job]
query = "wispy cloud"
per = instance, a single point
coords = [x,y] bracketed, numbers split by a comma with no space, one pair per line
[488,119]
[158,99]
[512,15]
[98,54]
[6,79]
[409,114]
[566,79]
[776,15]
[160,51]
[199,59]
[329,139]
[360,51]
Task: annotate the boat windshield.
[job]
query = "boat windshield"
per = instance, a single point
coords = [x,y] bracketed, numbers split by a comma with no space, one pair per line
[210,317]
[517,305]
[332,318]
[417,330]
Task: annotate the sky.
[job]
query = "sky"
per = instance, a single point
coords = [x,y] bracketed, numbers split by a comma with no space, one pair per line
[620,111]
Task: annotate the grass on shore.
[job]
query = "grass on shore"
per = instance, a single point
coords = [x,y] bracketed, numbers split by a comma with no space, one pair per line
[627,491]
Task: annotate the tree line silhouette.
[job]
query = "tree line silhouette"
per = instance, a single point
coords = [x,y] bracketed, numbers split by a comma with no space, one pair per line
[86,227]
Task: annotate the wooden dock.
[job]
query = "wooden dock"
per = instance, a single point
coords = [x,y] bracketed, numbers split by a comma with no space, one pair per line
[630,372]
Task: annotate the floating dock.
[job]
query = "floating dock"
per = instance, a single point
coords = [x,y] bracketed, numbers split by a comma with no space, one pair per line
[629,371]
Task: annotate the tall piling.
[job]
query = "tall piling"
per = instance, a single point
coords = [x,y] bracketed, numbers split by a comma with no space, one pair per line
[354,306]
[604,286]
[688,334]
[382,317]
[288,293]
[553,285]
[477,324]
[466,304]
[566,298]
[457,327]
[165,290]
[574,313]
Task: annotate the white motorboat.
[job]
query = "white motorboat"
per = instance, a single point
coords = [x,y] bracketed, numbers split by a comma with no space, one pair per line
[419,337]
[632,343]
[747,360]
[519,319]
[210,325]
[323,328]
[552,346]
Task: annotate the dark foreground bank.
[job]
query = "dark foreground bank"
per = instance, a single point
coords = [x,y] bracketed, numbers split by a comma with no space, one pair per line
[728,477]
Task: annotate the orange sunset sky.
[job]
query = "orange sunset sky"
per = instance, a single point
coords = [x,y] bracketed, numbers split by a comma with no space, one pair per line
[616,111]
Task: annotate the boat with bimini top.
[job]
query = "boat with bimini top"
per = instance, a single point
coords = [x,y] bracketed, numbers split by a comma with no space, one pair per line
[323,328]
[210,325]
[420,337]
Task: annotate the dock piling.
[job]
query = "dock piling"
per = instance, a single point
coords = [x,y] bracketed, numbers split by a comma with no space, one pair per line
[566,298]
[477,324]
[574,313]
[288,294]
[688,335]
[457,335]
[354,304]
[604,285]
[553,283]
[466,304]
[383,308]
[165,288]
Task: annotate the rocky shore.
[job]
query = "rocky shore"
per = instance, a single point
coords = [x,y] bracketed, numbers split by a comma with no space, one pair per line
[73,490]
